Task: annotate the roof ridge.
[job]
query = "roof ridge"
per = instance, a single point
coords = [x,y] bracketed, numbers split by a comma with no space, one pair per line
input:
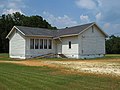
[55,29]
[78,25]
[34,27]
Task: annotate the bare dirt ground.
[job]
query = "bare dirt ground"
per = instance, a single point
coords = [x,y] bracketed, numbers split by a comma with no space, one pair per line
[108,67]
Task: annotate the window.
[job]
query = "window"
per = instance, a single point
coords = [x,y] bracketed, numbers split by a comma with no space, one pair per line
[41,43]
[31,43]
[45,43]
[50,44]
[69,44]
[36,43]
[92,29]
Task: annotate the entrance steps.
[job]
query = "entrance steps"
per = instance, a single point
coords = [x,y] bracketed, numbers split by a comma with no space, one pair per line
[62,55]
[51,55]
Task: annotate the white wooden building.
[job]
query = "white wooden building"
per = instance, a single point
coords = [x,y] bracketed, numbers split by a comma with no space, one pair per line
[83,41]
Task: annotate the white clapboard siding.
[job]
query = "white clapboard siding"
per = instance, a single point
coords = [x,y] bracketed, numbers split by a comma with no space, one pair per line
[17,45]
[73,52]
[92,44]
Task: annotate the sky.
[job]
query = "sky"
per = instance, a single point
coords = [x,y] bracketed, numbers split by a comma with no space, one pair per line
[68,13]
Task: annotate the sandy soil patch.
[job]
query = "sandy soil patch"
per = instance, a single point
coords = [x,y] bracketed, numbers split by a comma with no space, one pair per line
[109,67]
[30,63]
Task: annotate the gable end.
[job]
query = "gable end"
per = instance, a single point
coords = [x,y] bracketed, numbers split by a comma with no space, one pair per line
[12,30]
[94,24]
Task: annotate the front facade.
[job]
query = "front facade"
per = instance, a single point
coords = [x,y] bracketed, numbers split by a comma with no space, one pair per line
[84,41]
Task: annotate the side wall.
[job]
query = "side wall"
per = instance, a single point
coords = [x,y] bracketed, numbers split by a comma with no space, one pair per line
[37,52]
[91,43]
[17,45]
[73,52]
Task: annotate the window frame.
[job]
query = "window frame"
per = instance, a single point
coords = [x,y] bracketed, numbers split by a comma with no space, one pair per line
[49,44]
[92,29]
[41,45]
[32,43]
[45,43]
[70,45]
[36,43]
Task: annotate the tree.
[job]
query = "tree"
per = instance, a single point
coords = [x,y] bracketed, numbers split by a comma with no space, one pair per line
[10,20]
[113,45]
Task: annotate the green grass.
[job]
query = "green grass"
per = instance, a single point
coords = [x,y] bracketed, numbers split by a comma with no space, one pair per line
[4,56]
[109,56]
[115,56]
[18,77]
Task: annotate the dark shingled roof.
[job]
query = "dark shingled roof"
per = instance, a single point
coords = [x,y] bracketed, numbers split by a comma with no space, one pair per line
[73,30]
[30,31]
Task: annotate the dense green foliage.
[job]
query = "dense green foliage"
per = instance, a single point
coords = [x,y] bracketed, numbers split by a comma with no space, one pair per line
[8,21]
[113,45]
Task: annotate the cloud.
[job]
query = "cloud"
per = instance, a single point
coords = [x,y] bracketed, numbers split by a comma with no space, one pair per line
[1,6]
[104,12]
[87,4]
[98,16]
[112,29]
[106,25]
[59,21]
[110,10]
[11,6]
[10,11]
[84,18]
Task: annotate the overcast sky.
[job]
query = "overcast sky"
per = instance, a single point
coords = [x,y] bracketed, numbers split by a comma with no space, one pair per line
[66,13]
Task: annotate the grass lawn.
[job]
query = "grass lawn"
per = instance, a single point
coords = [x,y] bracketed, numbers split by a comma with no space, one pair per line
[112,56]
[19,77]
[5,56]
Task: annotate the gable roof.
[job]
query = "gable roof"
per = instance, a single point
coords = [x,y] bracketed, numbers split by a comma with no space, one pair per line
[31,31]
[72,30]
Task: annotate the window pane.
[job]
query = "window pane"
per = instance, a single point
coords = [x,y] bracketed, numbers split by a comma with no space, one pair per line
[31,43]
[41,43]
[69,44]
[50,44]
[36,43]
[45,43]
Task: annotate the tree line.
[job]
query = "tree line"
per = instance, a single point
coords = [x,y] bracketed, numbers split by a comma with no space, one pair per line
[113,45]
[18,19]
